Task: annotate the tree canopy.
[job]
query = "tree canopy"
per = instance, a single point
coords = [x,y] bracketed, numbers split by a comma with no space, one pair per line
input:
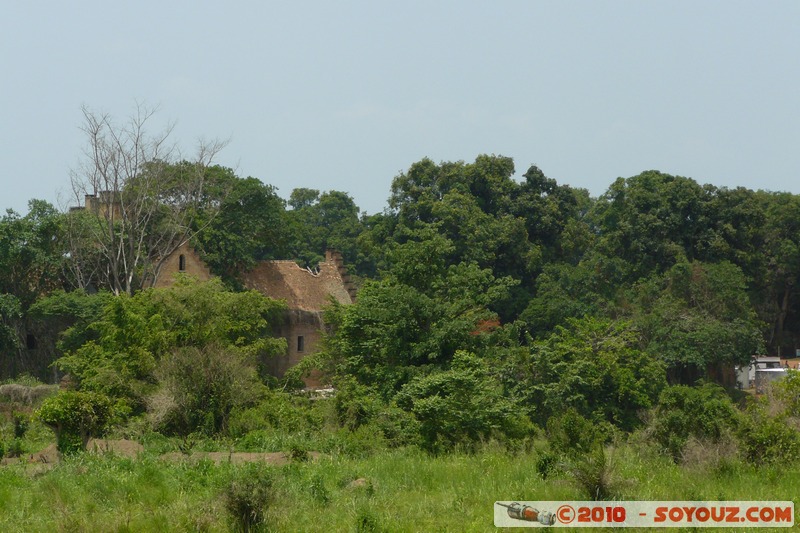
[480,294]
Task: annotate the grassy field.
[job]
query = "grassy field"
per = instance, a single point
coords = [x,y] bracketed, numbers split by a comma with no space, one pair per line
[389,490]
[334,479]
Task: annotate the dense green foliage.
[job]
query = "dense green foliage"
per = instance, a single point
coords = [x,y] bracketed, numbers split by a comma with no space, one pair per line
[404,490]
[701,412]
[594,367]
[461,405]
[75,416]
[195,344]
[492,314]
[201,387]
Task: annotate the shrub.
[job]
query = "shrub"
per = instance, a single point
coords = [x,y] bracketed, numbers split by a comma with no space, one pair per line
[593,472]
[788,390]
[298,453]
[704,412]
[546,463]
[15,448]
[581,443]
[460,406]
[248,495]
[26,394]
[367,522]
[398,427]
[319,492]
[715,456]
[76,416]
[361,442]
[201,387]
[594,366]
[135,336]
[276,410]
[768,439]
[354,403]
[21,422]
[574,434]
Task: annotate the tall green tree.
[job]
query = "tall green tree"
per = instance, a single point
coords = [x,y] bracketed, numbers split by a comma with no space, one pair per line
[696,317]
[241,223]
[318,222]
[512,228]
[593,366]
[781,274]
[652,221]
[416,317]
[31,252]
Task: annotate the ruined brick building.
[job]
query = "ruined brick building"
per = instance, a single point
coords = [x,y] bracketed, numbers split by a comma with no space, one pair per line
[305,291]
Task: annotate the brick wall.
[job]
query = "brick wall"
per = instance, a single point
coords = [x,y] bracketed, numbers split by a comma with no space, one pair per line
[191,264]
[297,324]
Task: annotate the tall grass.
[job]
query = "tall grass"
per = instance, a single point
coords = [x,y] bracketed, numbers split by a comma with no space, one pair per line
[393,490]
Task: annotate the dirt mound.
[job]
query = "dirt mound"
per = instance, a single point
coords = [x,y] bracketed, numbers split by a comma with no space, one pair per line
[273,458]
[122,447]
[49,456]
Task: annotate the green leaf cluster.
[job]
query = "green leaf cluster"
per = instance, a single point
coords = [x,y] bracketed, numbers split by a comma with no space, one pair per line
[136,333]
[461,405]
[703,412]
[595,367]
[75,416]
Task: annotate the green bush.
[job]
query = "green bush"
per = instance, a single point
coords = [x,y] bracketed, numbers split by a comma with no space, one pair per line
[788,390]
[15,448]
[201,387]
[361,442]
[704,412]
[354,403]
[546,463]
[367,522]
[279,411]
[594,366]
[461,406]
[593,471]
[319,492]
[573,434]
[766,439]
[398,427]
[247,496]
[298,453]
[21,422]
[75,416]
[135,337]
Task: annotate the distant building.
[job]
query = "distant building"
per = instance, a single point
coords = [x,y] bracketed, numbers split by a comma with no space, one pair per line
[183,260]
[305,291]
[100,203]
[762,371]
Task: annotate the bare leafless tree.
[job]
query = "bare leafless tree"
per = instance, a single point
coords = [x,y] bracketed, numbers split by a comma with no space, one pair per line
[141,196]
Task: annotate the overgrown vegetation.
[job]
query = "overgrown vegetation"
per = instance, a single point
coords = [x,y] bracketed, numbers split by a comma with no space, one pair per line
[494,317]
[402,490]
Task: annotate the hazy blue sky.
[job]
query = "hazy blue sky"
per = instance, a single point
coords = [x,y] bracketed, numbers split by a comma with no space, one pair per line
[345,95]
